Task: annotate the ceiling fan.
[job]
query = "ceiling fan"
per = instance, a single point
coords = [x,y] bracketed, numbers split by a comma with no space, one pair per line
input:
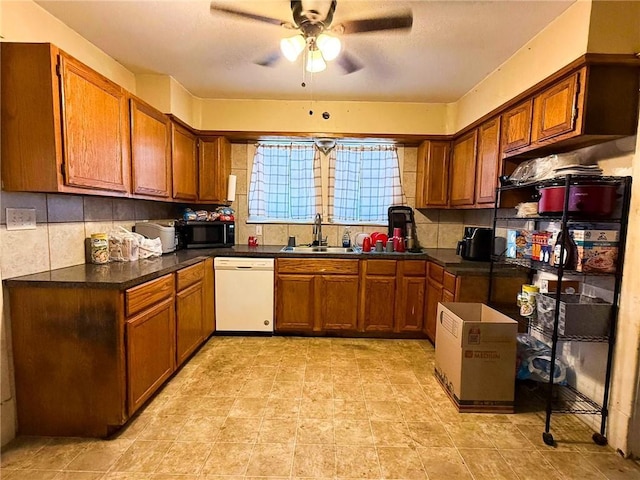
[313,19]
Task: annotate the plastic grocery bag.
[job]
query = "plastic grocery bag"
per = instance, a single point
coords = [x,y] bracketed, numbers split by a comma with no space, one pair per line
[123,245]
[149,247]
[534,361]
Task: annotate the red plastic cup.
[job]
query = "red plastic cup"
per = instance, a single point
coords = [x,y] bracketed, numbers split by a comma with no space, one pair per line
[366,244]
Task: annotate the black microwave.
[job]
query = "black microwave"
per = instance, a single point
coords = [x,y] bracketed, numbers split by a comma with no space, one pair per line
[193,234]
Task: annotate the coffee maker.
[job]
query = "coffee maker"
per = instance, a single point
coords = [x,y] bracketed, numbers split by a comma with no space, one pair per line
[402,217]
[476,244]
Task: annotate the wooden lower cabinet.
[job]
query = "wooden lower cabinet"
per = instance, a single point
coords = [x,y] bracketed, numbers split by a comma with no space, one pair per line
[410,296]
[150,351]
[337,302]
[434,295]
[377,295]
[86,359]
[295,309]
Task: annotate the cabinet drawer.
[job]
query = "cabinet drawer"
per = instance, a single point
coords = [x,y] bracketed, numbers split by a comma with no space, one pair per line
[381,267]
[436,272]
[449,282]
[190,275]
[143,296]
[414,268]
[336,267]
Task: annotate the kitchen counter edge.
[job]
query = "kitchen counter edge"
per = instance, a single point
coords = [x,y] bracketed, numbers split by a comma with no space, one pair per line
[124,275]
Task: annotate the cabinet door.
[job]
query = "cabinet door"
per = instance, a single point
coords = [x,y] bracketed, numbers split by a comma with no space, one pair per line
[378,296]
[189,321]
[150,151]
[95,129]
[151,340]
[554,110]
[295,302]
[214,167]
[463,170]
[184,162]
[516,127]
[432,178]
[410,308]
[337,302]
[448,296]
[434,295]
[209,323]
[488,161]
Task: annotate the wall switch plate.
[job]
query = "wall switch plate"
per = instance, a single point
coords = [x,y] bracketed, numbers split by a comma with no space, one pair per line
[21,218]
[258,229]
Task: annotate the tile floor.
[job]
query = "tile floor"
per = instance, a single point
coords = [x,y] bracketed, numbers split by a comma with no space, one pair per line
[286,407]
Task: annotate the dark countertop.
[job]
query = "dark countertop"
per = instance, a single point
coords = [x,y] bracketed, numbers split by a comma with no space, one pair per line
[123,275]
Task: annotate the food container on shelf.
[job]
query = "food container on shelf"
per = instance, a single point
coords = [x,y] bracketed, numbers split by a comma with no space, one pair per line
[579,314]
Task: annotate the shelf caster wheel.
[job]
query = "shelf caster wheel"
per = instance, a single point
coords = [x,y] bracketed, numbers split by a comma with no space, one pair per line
[599,439]
[548,439]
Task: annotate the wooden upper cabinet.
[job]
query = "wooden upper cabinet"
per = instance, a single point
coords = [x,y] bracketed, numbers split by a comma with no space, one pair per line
[516,126]
[184,160]
[432,178]
[214,167]
[150,150]
[488,167]
[555,110]
[65,128]
[463,170]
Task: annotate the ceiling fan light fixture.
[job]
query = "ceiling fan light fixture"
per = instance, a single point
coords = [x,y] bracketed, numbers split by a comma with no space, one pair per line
[329,46]
[292,47]
[315,62]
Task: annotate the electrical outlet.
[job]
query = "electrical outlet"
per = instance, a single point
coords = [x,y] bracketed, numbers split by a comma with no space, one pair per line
[258,229]
[21,218]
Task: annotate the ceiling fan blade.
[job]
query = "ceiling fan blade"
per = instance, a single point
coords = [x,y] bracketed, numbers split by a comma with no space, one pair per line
[239,13]
[348,63]
[399,22]
[270,59]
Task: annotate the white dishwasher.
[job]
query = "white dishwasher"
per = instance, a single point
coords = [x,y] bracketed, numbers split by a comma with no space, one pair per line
[244,294]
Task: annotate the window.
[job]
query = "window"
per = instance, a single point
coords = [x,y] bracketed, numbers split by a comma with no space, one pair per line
[285,183]
[360,183]
[364,181]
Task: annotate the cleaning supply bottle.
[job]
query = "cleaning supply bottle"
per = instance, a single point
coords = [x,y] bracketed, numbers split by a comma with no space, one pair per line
[346,238]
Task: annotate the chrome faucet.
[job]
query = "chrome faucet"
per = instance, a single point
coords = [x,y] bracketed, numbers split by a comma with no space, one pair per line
[317,231]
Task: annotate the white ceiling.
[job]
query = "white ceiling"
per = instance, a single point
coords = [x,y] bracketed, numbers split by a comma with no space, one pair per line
[451,47]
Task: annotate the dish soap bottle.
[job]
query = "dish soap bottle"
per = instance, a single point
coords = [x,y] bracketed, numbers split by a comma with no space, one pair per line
[346,238]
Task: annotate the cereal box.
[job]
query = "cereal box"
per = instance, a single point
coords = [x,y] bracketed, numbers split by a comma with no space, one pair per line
[518,244]
[597,250]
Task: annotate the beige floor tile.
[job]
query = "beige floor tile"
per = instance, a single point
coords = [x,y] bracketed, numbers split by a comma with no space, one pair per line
[534,435]
[316,461]
[264,373]
[430,433]
[247,407]
[316,408]
[416,411]
[142,456]
[374,376]
[468,435]
[215,406]
[613,466]
[348,391]
[239,430]
[400,462]
[228,459]
[56,454]
[184,458]
[270,459]
[317,390]
[21,449]
[357,462]
[487,464]
[350,409]
[353,432]
[256,388]
[286,389]
[402,378]
[278,430]
[506,435]
[99,456]
[163,427]
[395,433]
[315,430]
[289,373]
[409,393]
[282,408]
[29,474]
[443,463]
[572,465]
[388,410]
[315,374]
[200,428]
[530,465]
[80,476]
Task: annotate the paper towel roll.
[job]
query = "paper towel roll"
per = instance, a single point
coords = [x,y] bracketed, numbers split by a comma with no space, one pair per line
[231,188]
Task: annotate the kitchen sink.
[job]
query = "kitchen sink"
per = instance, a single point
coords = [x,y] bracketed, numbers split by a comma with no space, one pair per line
[317,249]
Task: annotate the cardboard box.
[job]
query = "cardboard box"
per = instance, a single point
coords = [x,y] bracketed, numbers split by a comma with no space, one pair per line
[518,244]
[597,250]
[476,357]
